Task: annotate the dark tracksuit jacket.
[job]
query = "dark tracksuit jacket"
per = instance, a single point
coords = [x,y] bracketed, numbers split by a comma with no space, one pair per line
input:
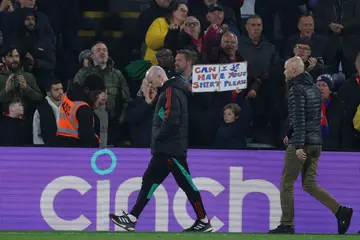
[170,121]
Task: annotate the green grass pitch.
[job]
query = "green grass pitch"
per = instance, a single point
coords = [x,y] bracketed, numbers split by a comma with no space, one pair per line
[58,235]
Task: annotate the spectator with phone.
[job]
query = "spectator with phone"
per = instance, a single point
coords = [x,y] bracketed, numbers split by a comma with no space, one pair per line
[314,66]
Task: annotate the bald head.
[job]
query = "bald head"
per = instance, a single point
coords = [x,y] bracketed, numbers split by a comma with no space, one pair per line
[229,43]
[156,76]
[293,67]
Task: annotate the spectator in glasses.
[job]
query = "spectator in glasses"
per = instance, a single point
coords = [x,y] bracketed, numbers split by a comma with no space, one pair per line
[314,66]
[188,38]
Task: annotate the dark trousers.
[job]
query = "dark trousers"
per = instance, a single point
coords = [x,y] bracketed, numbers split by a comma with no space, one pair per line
[308,169]
[158,169]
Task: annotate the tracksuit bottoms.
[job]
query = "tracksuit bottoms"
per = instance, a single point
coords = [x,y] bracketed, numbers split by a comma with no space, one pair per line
[159,168]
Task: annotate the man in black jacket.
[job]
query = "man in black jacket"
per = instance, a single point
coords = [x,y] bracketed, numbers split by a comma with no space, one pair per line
[169,151]
[37,45]
[304,148]
[47,115]
[339,21]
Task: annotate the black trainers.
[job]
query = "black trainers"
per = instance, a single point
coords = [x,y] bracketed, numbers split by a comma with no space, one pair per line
[343,217]
[123,221]
[283,229]
[200,226]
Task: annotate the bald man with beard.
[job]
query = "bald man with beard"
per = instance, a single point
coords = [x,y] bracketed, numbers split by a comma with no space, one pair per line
[169,151]
[304,145]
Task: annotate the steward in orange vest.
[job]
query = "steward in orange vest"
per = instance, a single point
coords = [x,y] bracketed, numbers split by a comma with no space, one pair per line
[77,120]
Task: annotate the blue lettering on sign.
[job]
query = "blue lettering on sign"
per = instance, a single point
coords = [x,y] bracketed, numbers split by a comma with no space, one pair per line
[235,67]
[96,155]
[229,83]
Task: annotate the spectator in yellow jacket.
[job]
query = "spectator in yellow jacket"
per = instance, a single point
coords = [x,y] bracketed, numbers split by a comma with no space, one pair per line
[157,31]
[356,119]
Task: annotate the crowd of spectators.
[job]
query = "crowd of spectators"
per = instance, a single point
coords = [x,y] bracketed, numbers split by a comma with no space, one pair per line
[176,35]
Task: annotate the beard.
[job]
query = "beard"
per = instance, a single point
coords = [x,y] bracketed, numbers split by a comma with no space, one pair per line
[31,27]
[178,69]
[13,67]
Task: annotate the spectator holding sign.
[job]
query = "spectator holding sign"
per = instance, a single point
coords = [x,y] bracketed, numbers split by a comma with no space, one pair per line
[224,49]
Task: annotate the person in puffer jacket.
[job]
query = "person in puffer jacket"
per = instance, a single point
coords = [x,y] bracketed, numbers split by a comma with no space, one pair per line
[304,145]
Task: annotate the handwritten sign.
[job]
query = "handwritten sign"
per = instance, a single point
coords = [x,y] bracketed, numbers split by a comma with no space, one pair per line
[219,77]
[205,78]
[233,76]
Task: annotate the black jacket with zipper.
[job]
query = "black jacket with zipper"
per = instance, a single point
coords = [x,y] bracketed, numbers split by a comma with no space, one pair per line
[304,111]
[170,121]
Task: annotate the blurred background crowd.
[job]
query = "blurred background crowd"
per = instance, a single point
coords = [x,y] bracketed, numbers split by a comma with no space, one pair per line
[47,45]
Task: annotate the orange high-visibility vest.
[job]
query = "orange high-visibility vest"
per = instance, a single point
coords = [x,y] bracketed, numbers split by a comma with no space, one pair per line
[68,125]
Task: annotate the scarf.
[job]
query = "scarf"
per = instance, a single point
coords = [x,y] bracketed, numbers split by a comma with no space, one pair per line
[324,122]
[199,44]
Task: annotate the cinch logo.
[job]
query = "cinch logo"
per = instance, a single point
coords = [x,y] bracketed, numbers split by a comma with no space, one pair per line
[238,189]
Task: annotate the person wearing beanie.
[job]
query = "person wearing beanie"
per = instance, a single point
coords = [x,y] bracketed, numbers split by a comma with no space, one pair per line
[77,120]
[335,125]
